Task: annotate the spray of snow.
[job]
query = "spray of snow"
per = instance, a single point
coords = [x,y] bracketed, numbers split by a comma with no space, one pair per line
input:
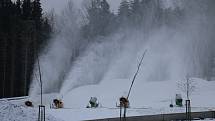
[173,52]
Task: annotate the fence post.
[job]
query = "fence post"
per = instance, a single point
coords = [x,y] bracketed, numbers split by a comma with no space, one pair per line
[213,114]
[124,116]
[41,116]
[188,110]
[120,112]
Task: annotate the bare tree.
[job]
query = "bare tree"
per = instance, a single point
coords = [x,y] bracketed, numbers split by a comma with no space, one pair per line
[187,86]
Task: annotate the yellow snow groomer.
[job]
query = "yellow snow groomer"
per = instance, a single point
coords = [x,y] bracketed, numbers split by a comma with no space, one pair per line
[124,102]
[57,103]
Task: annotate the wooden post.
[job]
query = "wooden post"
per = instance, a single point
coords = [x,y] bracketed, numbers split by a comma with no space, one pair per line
[213,114]
[41,116]
[163,119]
[188,110]
[124,115]
[120,112]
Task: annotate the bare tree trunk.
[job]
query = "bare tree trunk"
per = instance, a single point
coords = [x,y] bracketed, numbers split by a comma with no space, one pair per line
[4,66]
[12,77]
[26,69]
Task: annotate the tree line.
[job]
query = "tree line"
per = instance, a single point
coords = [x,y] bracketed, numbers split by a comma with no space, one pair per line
[23,34]
[101,21]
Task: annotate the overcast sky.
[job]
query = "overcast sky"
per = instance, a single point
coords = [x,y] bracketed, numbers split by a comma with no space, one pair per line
[58,5]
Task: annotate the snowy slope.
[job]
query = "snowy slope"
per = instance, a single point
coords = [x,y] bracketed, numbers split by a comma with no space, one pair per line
[144,94]
[9,111]
[146,98]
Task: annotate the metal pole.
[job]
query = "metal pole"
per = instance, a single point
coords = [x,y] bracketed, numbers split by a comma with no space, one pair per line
[135,75]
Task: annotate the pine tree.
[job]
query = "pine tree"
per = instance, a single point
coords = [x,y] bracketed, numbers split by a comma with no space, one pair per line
[106,18]
[105,7]
[135,6]
[18,8]
[37,13]
[26,10]
[21,27]
[124,12]
[46,31]
[5,15]
[5,3]
[99,17]
[136,12]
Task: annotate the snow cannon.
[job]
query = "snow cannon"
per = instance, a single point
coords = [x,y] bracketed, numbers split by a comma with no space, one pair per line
[124,102]
[178,100]
[57,103]
[29,104]
[93,103]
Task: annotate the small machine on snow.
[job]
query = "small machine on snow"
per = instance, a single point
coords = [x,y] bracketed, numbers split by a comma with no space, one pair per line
[93,103]
[178,100]
[57,103]
[124,102]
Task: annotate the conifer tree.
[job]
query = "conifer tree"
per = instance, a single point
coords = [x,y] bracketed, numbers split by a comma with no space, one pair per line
[105,7]
[136,12]
[26,9]
[21,27]
[37,13]
[99,17]
[18,8]
[124,12]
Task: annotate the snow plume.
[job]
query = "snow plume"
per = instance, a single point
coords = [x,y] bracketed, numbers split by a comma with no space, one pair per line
[173,52]
[57,58]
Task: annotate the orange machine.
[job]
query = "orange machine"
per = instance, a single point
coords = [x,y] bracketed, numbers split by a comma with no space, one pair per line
[58,103]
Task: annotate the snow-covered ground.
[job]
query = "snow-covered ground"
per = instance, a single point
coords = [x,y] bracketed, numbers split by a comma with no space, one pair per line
[147,98]
[12,111]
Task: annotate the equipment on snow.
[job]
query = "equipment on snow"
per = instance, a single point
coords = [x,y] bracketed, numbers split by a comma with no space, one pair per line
[178,100]
[124,102]
[93,103]
[57,103]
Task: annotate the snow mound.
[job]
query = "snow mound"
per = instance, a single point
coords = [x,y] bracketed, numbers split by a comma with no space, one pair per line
[14,112]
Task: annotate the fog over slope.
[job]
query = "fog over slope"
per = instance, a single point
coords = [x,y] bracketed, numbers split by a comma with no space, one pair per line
[175,49]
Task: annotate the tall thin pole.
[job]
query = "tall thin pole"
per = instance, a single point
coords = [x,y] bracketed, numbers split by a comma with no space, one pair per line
[26,69]
[41,84]
[135,75]
[5,66]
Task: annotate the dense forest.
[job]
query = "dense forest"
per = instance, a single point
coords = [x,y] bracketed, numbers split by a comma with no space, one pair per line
[23,33]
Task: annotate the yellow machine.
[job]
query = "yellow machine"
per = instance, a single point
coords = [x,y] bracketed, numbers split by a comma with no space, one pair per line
[124,102]
[57,103]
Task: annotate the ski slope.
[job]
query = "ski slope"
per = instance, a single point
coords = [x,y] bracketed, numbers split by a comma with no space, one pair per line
[147,98]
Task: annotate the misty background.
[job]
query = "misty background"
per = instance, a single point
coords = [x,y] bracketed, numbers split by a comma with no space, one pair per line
[91,43]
